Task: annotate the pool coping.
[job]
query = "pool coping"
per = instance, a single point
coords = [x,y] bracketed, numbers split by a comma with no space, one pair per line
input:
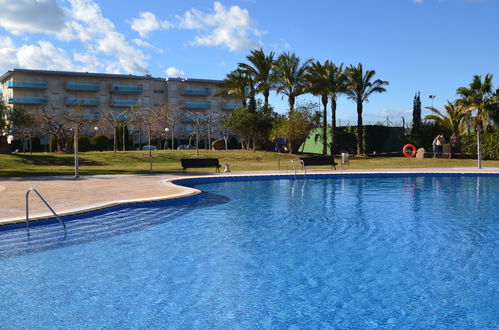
[183,183]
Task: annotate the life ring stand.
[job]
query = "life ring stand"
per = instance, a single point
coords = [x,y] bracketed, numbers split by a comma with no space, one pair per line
[409,146]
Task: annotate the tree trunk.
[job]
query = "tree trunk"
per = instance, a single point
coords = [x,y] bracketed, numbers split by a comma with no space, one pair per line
[291,101]
[333,126]
[324,124]
[115,140]
[360,129]
[266,98]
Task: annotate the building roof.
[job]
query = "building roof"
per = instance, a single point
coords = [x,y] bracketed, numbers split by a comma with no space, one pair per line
[7,75]
[79,74]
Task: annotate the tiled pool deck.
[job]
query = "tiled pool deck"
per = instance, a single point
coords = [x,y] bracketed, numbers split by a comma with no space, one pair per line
[68,195]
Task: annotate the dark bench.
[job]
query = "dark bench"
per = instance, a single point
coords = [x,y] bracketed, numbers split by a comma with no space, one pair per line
[317,160]
[200,162]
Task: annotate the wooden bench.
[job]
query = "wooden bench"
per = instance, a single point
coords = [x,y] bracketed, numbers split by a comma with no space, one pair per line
[200,162]
[317,160]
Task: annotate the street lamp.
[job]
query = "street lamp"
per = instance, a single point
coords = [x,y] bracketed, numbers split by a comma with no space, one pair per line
[432,97]
[95,130]
[166,137]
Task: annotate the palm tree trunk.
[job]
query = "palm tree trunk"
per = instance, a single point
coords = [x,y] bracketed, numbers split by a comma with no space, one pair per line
[291,101]
[360,132]
[266,98]
[324,124]
[333,125]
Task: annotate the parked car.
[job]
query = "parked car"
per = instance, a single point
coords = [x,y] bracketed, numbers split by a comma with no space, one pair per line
[149,147]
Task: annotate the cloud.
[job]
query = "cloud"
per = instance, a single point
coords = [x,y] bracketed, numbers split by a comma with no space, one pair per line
[227,27]
[145,44]
[31,16]
[41,55]
[418,1]
[395,113]
[147,23]
[105,49]
[174,72]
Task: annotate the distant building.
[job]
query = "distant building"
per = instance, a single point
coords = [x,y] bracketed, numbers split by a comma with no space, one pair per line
[99,93]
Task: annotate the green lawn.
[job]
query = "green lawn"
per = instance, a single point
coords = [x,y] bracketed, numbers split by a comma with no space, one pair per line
[169,161]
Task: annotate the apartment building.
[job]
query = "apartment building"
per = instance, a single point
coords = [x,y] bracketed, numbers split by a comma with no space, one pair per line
[96,94]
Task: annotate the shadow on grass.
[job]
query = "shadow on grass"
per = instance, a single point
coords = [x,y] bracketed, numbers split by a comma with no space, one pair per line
[67,160]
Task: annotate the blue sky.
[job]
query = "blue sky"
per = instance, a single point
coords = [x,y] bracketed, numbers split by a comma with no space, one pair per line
[432,46]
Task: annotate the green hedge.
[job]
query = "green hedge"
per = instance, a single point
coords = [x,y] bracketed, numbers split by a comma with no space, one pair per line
[489,144]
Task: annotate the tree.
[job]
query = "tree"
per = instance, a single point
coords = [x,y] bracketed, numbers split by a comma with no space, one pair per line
[318,84]
[236,84]
[199,119]
[116,119]
[4,123]
[55,125]
[296,125]
[22,121]
[337,86]
[479,96]
[289,73]
[260,68]
[416,114]
[360,87]
[453,120]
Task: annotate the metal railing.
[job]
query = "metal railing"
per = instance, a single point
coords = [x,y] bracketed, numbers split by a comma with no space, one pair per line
[47,204]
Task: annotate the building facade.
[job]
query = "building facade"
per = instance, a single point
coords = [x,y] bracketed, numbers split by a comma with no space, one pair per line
[96,94]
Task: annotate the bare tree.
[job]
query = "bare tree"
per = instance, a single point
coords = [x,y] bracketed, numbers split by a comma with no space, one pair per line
[54,124]
[74,118]
[116,119]
[174,118]
[199,120]
[147,117]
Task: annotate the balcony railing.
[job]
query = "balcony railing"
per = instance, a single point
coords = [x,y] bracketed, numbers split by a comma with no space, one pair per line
[197,105]
[124,103]
[27,84]
[230,106]
[197,92]
[82,87]
[27,100]
[88,102]
[120,89]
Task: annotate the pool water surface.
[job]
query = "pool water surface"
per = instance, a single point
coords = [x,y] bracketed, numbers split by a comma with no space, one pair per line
[368,252]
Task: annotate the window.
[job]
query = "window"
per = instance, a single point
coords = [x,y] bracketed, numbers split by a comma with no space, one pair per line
[158,91]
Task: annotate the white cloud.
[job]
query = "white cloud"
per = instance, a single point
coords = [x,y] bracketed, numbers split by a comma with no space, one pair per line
[31,16]
[104,48]
[174,72]
[228,27]
[43,55]
[145,44]
[147,23]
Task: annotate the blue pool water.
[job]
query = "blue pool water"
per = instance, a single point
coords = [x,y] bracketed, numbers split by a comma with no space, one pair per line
[360,253]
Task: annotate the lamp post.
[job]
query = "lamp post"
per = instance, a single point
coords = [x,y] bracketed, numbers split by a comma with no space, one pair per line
[166,138]
[432,97]
[95,130]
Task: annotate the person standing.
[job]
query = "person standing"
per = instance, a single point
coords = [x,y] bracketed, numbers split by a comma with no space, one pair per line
[440,142]
[434,146]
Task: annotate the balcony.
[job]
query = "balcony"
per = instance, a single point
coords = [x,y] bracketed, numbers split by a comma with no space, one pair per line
[27,100]
[231,106]
[124,103]
[82,87]
[197,92]
[27,84]
[120,89]
[87,102]
[197,105]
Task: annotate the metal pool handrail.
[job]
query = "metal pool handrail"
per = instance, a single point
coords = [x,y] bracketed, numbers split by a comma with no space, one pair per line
[47,204]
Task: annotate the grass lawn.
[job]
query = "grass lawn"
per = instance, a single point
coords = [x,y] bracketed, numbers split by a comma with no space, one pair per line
[169,161]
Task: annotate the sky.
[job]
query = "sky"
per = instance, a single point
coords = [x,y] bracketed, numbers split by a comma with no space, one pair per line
[431,46]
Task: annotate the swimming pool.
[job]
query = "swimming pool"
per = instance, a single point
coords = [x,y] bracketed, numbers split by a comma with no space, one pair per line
[363,252]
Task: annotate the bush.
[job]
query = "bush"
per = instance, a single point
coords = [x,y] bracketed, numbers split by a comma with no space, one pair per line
[84,144]
[101,142]
[489,144]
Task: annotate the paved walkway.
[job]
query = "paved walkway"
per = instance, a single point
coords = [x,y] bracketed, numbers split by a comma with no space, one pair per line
[68,195]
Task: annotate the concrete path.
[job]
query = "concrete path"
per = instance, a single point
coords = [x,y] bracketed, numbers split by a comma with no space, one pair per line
[68,195]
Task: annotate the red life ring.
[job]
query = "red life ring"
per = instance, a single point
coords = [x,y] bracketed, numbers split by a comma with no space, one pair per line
[409,146]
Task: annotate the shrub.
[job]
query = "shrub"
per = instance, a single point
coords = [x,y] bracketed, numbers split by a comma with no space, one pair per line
[101,142]
[489,144]
[84,144]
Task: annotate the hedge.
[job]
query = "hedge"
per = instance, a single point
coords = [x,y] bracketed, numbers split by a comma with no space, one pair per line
[489,144]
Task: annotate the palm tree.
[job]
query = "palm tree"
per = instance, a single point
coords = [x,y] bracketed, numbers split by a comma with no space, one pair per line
[289,74]
[454,119]
[236,83]
[260,68]
[318,85]
[337,86]
[360,87]
[479,96]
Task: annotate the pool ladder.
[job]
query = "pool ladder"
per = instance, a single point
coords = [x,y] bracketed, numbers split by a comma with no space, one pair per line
[47,204]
